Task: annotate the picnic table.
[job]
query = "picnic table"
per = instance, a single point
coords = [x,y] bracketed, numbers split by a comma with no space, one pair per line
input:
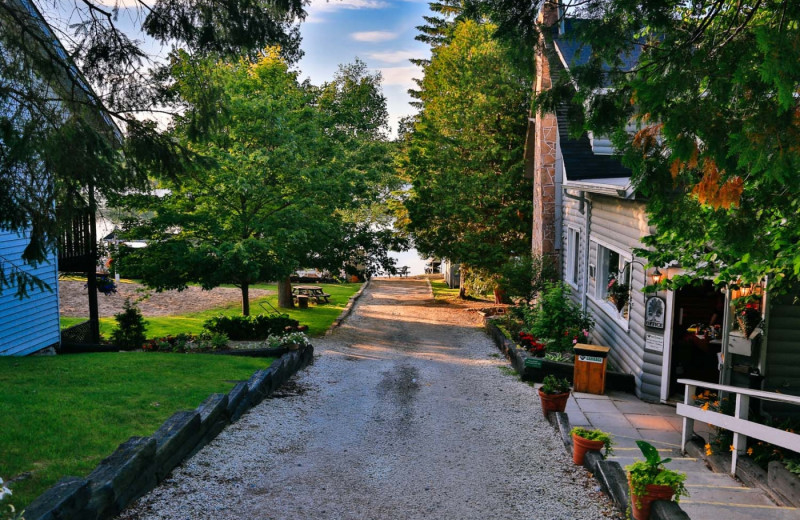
[403,271]
[312,291]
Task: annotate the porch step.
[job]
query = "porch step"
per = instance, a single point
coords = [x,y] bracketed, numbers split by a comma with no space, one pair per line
[711,510]
[715,496]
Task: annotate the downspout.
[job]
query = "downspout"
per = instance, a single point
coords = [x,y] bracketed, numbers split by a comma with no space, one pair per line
[587,225]
[558,224]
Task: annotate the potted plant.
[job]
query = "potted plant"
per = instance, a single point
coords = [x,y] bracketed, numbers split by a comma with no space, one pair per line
[649,481]
[584,440]
[554,394]
[618,291]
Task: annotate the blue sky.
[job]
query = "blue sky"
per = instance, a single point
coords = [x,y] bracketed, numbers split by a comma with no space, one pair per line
[379,32]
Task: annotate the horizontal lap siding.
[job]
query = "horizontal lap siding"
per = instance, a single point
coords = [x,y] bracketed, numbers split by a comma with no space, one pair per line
[783,347]
[30,324]
[575,220]
[622,224]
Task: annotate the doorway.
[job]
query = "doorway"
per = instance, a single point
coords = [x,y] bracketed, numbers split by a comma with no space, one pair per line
[696,335]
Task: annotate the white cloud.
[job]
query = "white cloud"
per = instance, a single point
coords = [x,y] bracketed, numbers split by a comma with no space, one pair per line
[395,56]
[374,36]
[402,76]
[333,5]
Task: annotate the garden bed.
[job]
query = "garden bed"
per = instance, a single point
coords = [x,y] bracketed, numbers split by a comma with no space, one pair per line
[531,368]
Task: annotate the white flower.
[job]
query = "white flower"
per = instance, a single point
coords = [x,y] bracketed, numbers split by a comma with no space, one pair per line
[4,491]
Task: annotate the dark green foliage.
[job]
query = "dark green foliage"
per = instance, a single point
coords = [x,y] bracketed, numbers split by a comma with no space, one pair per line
[558,318]
[187,343]
[61,143]
[470,201]
[716,154]
[130,331]
[250,327]
[554,385]
[525,277]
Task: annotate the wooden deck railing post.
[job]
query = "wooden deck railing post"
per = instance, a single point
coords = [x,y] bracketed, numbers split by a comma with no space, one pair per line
[688,424]
[739,440]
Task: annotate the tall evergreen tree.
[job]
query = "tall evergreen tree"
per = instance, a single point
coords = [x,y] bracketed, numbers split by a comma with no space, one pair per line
[470,201]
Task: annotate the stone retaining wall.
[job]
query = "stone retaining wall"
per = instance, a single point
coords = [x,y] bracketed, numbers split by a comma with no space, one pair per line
[140,463]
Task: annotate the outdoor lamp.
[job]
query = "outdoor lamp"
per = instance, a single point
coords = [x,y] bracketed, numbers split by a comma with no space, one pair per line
[656,276]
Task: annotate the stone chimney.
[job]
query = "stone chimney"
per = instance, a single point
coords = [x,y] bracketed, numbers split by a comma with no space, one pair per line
[544,140]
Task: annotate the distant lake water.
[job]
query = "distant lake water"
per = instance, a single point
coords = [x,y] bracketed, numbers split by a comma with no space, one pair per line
[411,258]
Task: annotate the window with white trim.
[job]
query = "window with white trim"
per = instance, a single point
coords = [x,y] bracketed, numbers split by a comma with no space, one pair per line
[573,256]
[613,281]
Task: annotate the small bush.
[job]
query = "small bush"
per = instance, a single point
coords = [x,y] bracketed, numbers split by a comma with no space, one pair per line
[250,327]
[129,334]
[558,318]
[187,343]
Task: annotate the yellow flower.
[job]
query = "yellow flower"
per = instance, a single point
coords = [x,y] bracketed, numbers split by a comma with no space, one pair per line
[716,403]
[749,451]
[733,448]
[704,407]
[708,449]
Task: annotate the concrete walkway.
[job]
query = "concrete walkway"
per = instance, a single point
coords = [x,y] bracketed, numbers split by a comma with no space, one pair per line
[714,496]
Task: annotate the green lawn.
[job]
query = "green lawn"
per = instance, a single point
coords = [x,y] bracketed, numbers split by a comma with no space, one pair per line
[317,317]
[441,291]
[63,414]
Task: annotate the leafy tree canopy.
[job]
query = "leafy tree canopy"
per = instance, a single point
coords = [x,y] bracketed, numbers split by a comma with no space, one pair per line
[58,137]
[282,164]
[714,95]
[470,201]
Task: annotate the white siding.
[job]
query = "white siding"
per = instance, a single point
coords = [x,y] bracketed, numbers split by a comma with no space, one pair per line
[618,224]
[783,348]
[32,323]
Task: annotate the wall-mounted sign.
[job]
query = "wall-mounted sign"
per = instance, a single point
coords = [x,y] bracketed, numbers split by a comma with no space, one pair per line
[655,311]
[654,342]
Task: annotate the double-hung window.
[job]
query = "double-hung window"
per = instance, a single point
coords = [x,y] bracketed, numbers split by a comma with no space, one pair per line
[573,256]
[613,281]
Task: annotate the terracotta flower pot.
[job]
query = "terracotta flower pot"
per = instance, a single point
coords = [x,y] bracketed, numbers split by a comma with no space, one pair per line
[580,446]
[653,492]
[553,402]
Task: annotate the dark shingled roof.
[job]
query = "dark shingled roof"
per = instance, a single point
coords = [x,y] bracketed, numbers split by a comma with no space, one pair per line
[576,53]
[580,162]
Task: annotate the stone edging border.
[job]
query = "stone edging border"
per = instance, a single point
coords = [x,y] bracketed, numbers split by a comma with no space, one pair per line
[140,463]
[348,308]
[609,474]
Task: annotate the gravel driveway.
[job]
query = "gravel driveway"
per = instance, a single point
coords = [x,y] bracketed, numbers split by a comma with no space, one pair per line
[405,414]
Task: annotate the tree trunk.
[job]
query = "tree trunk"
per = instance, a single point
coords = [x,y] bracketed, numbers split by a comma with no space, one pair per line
[499,295]
[246,299]
[285,294]
[462,284]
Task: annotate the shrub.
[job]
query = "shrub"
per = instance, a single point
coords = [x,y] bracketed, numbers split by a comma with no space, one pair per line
[187,343]
[558,318]
[129,333]
[250,327]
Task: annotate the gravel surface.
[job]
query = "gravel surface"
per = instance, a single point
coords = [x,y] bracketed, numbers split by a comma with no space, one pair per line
[74,299]
[405,414]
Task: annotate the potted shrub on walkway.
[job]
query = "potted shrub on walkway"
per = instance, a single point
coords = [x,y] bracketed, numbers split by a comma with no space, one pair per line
[649,481]
[584,440]
[554,394]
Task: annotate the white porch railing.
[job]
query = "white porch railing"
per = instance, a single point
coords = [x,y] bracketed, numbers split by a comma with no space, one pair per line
[739,424]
